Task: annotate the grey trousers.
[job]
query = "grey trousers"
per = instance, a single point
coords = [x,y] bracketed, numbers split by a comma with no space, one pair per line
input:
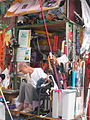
[27,93]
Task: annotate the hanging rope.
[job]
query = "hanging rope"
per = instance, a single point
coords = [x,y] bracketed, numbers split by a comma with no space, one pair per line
[53,65]
[45,25]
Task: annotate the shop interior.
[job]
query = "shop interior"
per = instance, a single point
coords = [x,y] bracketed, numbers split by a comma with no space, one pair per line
[48,35]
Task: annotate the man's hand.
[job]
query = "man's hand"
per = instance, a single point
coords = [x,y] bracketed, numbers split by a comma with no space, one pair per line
[48,79]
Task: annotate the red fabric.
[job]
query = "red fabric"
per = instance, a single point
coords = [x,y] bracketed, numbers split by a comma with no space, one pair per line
[87,82]
[45,65]
[55,45]
[66,49]
[70,36]
[89,110]
[88,71]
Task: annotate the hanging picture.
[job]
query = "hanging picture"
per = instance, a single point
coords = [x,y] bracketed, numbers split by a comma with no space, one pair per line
[23,54]
[24,38]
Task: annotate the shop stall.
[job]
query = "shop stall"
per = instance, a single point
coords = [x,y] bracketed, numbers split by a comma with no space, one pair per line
[47,35]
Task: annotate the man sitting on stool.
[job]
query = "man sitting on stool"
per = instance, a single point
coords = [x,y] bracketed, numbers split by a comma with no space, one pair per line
[28,91]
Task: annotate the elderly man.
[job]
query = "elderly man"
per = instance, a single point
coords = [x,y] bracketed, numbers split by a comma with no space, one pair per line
[28,91]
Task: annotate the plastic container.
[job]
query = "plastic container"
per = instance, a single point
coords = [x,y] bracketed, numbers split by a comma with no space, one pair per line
[56,104]
[68,104]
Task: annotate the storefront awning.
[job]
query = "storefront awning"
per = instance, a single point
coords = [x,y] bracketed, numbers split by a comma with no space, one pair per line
[21,7]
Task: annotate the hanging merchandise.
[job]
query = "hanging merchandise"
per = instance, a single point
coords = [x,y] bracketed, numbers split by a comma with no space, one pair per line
[69,81]
[55,46]
[86,18]
[62,48]
[70,36]
[79,77]
[63,59]
[59,73]
[70,32]
[74,75]
[56,75]
[62,75]
[7,37]
[2,51]
[52,65]
[86,42]
[65,49]
[70,40]
[87,75]
[77,42]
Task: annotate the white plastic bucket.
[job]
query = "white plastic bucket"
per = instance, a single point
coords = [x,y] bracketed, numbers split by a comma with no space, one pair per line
[68,104]
[56,104]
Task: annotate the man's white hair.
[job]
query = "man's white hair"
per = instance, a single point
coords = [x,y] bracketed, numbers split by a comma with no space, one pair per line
[21,65]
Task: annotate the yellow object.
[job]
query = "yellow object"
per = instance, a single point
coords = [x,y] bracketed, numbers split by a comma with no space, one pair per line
[63,44]
[42,32]
[7,38]
[0,87]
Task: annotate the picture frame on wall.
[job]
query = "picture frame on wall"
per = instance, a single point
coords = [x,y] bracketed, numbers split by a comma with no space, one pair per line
[24,38]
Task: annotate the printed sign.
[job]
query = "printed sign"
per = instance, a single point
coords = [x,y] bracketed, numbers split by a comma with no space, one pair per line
[24,38]
[23,54]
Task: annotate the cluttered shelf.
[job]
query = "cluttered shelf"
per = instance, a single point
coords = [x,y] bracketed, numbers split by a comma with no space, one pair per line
[53,26]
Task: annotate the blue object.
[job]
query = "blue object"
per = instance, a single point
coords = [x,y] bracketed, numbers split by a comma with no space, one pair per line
[1,99]
[74,78]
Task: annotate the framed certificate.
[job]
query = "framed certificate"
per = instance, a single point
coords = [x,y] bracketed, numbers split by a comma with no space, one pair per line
[24,38]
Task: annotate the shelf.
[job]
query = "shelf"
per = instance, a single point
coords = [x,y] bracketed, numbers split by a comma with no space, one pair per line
[54,26]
